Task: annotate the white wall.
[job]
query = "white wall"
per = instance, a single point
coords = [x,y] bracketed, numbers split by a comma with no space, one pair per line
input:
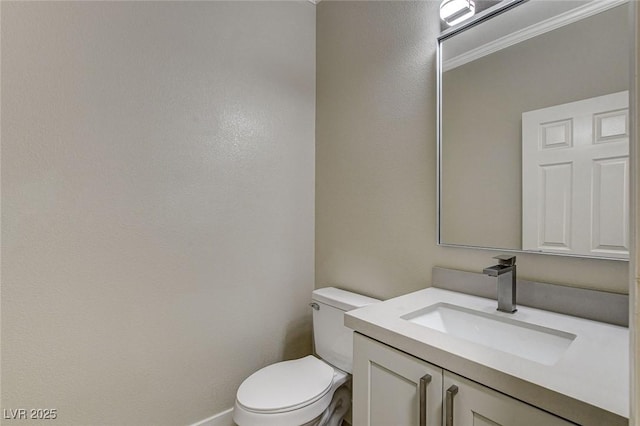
[376,158]
[157,203]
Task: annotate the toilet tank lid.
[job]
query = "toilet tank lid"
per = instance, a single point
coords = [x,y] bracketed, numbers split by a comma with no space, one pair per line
[341,299]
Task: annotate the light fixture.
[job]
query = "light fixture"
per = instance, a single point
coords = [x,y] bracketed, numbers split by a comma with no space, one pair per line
[455,11]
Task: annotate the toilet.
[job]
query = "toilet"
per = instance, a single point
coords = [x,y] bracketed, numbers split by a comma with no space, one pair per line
[309,391]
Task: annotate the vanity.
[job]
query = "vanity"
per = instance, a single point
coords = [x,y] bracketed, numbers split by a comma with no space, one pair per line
[440,357]
[533,157]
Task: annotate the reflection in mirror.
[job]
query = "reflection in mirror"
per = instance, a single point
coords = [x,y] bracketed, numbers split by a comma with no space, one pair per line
[534,138]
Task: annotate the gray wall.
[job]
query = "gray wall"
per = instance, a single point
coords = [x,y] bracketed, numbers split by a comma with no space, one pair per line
[376,158]
[158,204]
[484,102]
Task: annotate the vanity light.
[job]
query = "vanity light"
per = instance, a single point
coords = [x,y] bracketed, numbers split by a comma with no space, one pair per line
[456,11]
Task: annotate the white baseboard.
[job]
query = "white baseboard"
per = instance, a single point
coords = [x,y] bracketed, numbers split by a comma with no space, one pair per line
[224,418]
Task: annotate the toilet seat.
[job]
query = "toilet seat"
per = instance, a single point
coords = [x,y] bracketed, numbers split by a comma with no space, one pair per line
[286,386]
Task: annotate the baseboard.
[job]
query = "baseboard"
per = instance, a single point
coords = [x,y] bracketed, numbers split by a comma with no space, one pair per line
[224,418]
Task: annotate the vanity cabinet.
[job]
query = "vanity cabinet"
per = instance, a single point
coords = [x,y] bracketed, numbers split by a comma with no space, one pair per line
[391,387]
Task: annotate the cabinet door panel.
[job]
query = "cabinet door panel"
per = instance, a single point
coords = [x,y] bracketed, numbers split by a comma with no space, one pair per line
[477,405]
[479,420]
[386,386]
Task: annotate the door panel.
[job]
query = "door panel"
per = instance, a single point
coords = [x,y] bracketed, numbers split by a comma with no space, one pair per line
[554,218]
[610,205]
[478,405]
[387,386]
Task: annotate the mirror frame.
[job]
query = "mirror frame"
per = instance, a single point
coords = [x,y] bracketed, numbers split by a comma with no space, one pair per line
[478,19]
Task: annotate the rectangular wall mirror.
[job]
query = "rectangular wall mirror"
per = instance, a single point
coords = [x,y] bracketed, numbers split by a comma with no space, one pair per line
[533,130]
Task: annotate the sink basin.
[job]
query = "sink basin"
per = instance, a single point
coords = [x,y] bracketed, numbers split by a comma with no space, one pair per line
[536,343]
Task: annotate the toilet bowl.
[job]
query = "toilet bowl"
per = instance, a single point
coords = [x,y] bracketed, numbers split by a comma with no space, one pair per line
[310,390]
[289,393]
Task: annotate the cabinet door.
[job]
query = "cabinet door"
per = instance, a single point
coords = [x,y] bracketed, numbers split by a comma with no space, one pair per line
[388,386]
[476,405]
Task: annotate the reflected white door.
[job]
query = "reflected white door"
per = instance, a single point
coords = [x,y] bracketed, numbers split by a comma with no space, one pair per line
[575,177]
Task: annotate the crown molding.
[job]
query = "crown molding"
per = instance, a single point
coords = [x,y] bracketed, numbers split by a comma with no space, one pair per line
[545,26]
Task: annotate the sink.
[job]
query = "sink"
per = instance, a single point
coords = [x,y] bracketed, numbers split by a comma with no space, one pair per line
[533,342]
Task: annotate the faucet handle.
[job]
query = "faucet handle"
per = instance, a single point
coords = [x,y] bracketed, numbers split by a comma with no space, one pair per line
[506,259]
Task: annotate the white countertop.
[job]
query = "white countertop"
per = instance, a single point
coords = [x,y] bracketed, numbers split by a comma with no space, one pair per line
[589,384]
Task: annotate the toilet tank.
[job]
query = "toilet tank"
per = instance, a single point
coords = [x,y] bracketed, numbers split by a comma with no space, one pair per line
[333,341]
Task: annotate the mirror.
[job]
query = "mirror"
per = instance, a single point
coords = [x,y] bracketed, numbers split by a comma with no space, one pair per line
[533,131]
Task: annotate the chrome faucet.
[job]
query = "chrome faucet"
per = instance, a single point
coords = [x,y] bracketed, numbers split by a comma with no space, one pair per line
[505,271]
